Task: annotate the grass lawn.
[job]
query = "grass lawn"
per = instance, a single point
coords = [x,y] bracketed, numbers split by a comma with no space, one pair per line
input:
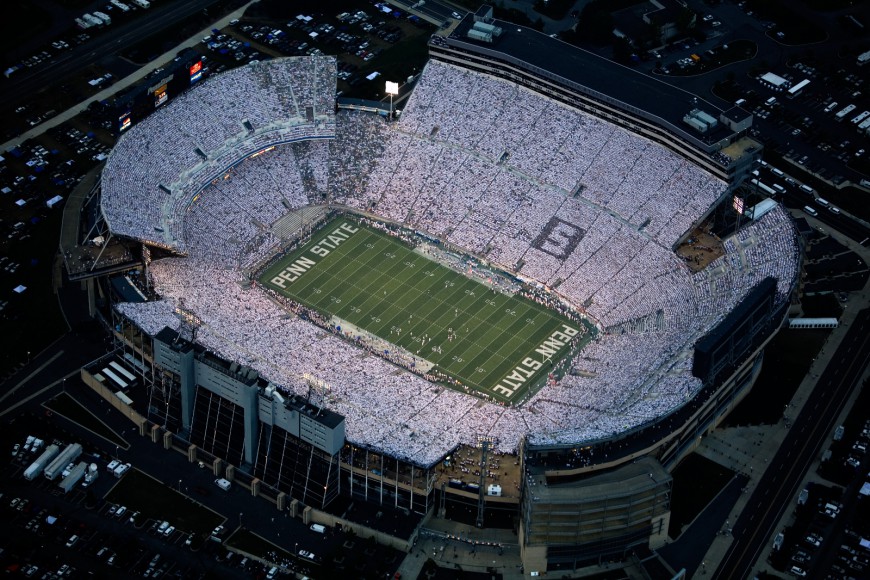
[65,405]
[493,343]
[142,493]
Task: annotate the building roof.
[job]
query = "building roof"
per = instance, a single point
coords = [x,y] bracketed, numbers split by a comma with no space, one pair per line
[319,413]
[613,81]
[644,473]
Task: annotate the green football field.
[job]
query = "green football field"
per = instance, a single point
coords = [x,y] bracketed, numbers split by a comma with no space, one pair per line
[488,341]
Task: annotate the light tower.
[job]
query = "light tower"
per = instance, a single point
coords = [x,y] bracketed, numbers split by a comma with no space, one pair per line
[392,90]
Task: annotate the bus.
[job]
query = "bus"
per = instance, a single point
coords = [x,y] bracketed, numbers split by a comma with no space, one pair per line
[768,190]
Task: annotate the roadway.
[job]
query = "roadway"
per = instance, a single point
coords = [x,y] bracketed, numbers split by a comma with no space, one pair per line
[778,486]
[794,197]
[115,39]
[431,10]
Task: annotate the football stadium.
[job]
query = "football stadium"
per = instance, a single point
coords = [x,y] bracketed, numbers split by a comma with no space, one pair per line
[491,274]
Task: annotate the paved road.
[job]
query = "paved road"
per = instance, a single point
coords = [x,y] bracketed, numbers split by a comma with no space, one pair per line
[108,43]
[796,198]
[778,486]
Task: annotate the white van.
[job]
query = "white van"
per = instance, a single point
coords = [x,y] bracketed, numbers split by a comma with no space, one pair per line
[807,188]
[810,211]
[831,107]
[779,188]
[823,202]
[223,484]
[775,171]
[318,528]
[777,541]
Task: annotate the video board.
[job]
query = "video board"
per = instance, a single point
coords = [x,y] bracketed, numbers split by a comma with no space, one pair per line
[125,120]
[196,71]
[161,95]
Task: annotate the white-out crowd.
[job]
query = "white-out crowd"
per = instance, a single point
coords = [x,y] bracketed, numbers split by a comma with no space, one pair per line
[540,189]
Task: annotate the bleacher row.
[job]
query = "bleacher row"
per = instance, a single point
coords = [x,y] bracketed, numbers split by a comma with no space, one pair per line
[442,169]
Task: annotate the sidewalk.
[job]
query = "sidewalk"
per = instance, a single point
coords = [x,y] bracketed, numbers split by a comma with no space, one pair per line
[122,84]
[747,449]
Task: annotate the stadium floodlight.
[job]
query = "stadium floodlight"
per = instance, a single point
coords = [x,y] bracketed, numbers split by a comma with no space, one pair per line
[392,89]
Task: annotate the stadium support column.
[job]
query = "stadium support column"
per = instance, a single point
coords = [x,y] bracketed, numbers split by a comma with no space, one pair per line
[483,443]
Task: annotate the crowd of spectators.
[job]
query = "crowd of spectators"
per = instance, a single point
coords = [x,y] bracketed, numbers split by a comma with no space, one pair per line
[488,167]
[147,179]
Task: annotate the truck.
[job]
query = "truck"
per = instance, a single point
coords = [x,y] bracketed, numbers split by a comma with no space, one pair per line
[91,474]
[864,126]
[859,118]
[87,17]
[846,110]
[71,453]
[121,469]
[120,6]
[73,478]
[142,3]
[82,23]
[104,17]
[37,466]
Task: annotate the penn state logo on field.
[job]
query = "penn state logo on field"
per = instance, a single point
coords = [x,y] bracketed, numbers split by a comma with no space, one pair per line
[559,238]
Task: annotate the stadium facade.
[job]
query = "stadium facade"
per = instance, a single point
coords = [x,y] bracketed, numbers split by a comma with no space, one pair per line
[286,407]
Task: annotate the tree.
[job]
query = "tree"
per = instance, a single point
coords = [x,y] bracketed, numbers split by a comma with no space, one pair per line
[595,24]
[686,20]
[622,50]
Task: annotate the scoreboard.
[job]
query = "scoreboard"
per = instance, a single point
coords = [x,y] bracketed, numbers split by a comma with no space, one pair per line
[196,71]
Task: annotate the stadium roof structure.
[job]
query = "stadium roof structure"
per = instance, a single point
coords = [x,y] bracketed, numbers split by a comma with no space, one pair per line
[613,82]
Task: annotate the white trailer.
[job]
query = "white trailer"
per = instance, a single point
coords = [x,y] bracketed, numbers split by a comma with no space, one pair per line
[92,19]
[104,17]
[71,453]
[73,478]
[37,466]
[142,3]
[842,114]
